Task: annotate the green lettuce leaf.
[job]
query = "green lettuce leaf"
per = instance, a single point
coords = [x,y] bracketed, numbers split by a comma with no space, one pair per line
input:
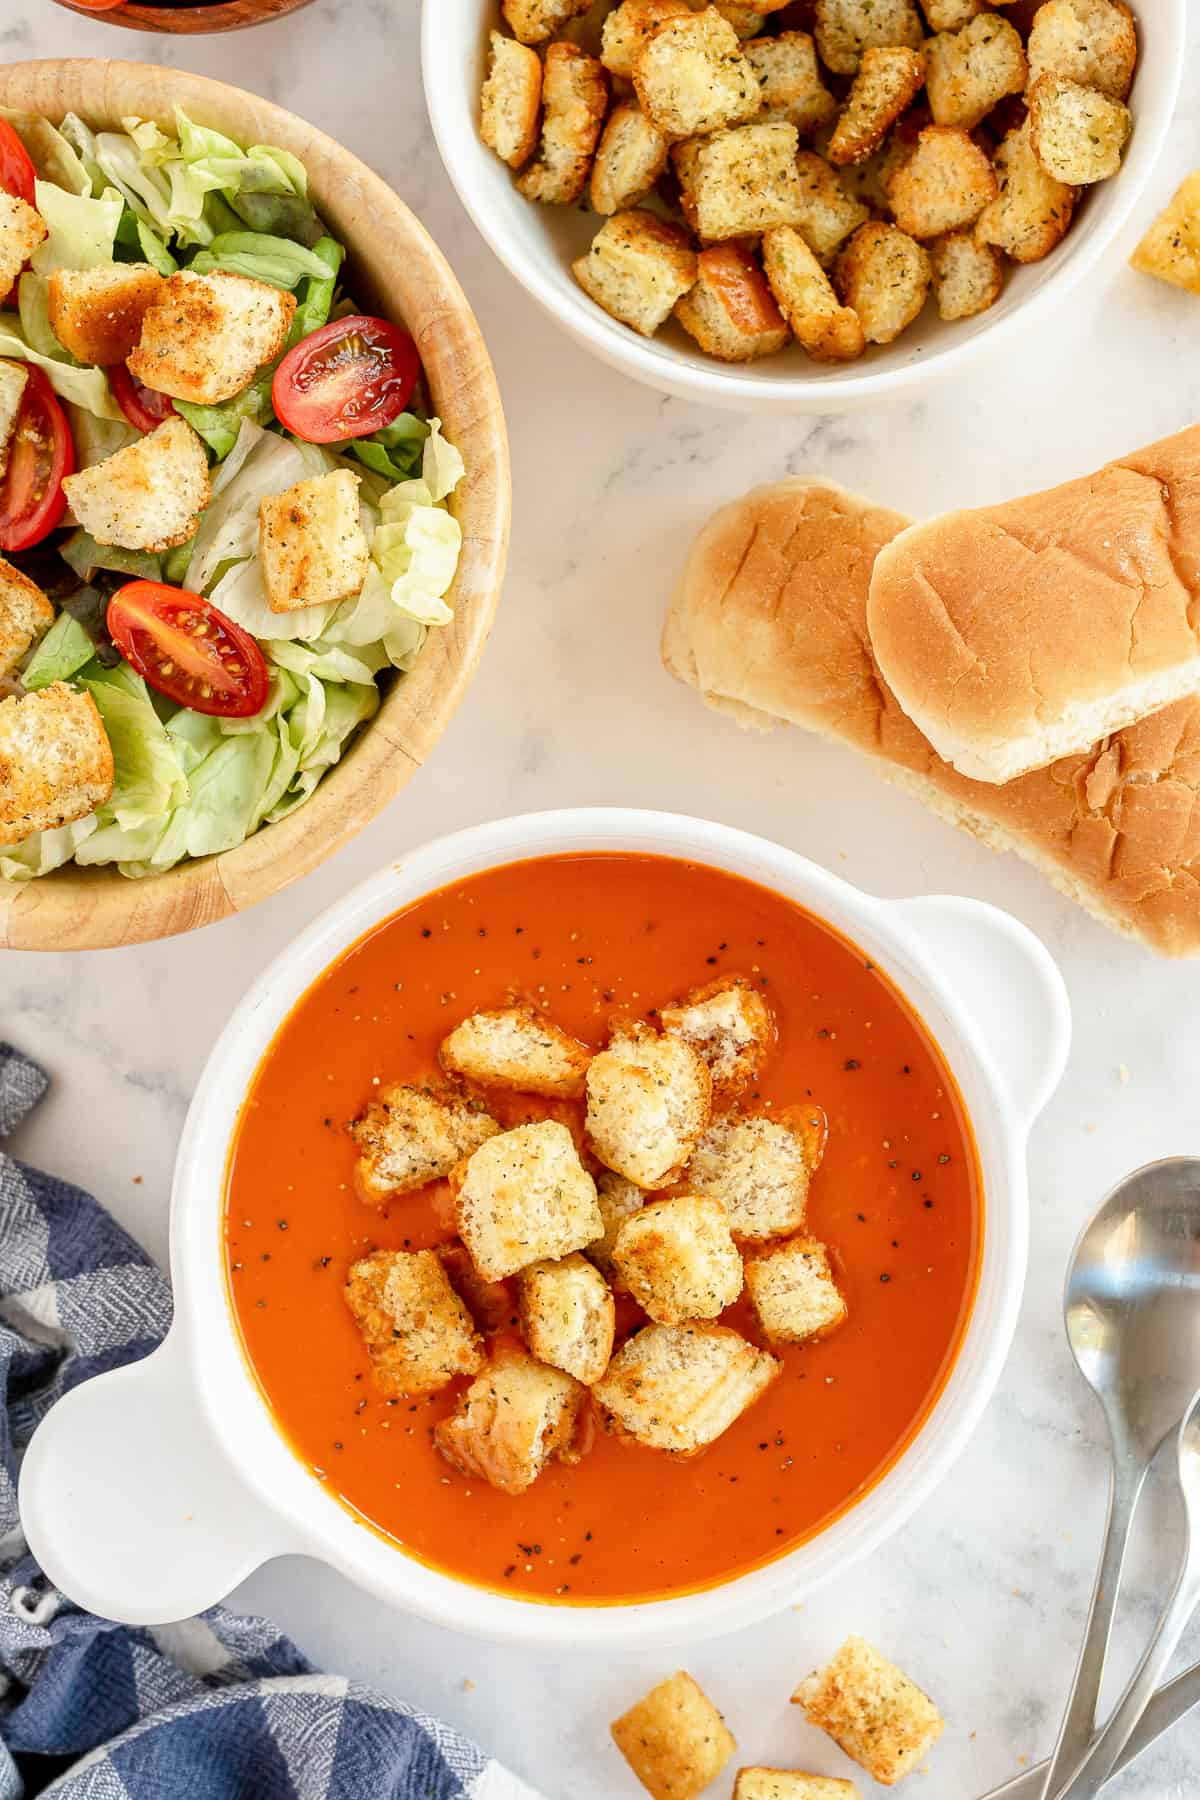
[85,387]
[65,649]
[52,155]
[148,777]
[80,231]
[276,260]
[85,555]
[44,851]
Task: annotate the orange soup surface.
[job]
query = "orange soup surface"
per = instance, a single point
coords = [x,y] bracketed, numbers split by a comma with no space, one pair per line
[591,939]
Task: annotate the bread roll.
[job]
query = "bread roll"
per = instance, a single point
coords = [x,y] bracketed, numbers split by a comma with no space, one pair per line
[1018,634]
[770,623]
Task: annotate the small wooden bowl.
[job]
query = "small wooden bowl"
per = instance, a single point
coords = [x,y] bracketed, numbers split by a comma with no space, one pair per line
[396,268]
[226,15]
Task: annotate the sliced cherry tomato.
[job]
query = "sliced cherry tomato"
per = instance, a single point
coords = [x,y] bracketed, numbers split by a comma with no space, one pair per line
[144,407]
[188,650]
[17,174]
[348,379]
[98,5]
[40,452]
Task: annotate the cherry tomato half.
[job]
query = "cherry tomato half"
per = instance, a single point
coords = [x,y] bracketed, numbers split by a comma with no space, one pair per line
[144,407]
[98,5]
[40,452]
[188,650]
[17,174]
[348,379]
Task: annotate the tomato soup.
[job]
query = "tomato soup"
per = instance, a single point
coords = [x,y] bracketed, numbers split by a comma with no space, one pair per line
[591,939]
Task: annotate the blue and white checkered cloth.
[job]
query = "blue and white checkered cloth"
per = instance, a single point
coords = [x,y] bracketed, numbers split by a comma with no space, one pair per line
[221,1707]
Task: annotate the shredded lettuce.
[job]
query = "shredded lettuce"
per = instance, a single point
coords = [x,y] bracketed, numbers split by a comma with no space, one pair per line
[148,778]
[261,256]
[87,387]
[85,556]
[44,851]
[80,232]
[51,154]
[65,649]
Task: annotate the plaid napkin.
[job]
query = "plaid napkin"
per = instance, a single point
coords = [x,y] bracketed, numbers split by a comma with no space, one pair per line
[218,1708]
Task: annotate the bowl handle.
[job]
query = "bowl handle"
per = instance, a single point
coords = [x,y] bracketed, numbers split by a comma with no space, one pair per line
[129,1503]
[1007,981]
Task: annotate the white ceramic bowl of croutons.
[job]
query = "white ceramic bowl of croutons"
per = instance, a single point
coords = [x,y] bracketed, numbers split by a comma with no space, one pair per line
[538,243]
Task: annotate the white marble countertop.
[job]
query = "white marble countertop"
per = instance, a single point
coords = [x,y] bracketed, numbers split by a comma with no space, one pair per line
[982,1596]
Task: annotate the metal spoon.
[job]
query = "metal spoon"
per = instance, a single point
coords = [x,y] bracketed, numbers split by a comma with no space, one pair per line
[1132,1308]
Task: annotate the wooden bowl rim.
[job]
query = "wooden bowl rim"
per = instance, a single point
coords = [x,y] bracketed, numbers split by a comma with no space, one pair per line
[74,908]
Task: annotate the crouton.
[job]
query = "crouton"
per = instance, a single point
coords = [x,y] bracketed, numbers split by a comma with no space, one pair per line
[97,314]
[827,214]
[886,83]
[148,496]
[517,1048]
[731,311]
[523,1197]
[691,77]
[21,231]
[678,1387]
[790,1784]
[951,15]
[1077,134]
[574,102]
[516,1416]
[884,275]
[845,28]
[878,1716]
[829,331]
[866,182]
[1032,212]
[411,1135]
[678,1259]
[967,276]
[648,1101]
[511,101]
[747,21]
[13,378]
[632,154]
[417,1331]
[730,1024]
[533,21]
[630,26]
[745,180]
[793,1292]
[944,185]
[674,1739]
[25,614]
[637,268]
[968,71]
[206,336]
[759,1166]
[790,78]
[312,548]
[492,1304]
[1170,250]
[684,158]
[1093,42]
[56,763]
[567,1316]
[618,1200]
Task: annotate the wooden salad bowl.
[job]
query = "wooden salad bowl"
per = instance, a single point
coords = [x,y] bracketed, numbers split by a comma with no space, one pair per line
[218,15]
[396,268]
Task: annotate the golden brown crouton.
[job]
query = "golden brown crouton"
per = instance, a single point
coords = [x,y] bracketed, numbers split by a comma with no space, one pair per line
[207,336]
[511,101]
[1093,42]
[790,1784]
[492,1304]
[618,1200]
[731,311]
[747,21]
[13,379]
[678,1259]
[867,182]
[674,1739]
[968,71]
[692,78]
[637,268]
[524,1196]
[515,1417]
[574,101]
[967,276]
[1032,212]
[829,331]
[517,1048]
[1076,133]
[793,1292]
[631,156]
[97,314]
[730,1024]
[884,275]
[944,185]
[845,28]
[56,764]
[874,1712]
[21,231]
[148,496]
[533,21]
[745,180]
[629,27]
[312,548]
[1170,250]
[886,83]
[567,1316]
[759,1166]
[790,77]
[648,1101]
[25,614]
[951,15]
[678,1387]
[827,213]
[416,1328]
[411,1135]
